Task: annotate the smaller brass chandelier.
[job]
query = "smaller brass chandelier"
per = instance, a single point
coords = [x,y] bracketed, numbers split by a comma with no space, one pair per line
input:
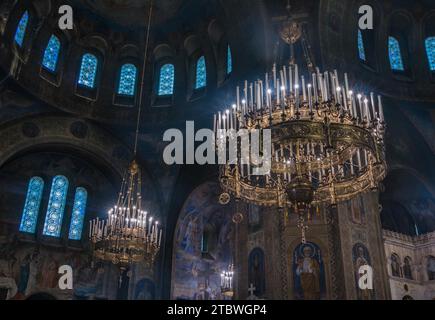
[129,234]
[227,282]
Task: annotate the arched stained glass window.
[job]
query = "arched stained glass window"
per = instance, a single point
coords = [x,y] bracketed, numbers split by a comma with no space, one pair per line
[56,206]
[78,214]
[166,81]
[229,60]
[430,51]
[31,207]
[127,80]
[201,73]
[88,70]
[395,54]
[20,33]
[361,49]
[51,54]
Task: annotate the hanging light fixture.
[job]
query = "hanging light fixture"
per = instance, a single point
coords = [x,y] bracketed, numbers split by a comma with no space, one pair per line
[128,234]
[227,282]
[327,140]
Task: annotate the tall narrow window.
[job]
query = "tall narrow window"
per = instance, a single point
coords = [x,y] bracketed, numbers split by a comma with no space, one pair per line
[430,51]
[127,80]
[229,60]
[204,242]
[31,207]
[166,80]
[88,71]
[56,206]
[361,49]
[78,214]
[201,73]
[395,54]
[20,33]
[51,54]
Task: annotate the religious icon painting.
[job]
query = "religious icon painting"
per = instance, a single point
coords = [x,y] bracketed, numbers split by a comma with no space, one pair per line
[361,257]
[308,272]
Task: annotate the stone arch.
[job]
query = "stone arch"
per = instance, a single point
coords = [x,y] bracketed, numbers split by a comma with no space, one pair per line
[96,142]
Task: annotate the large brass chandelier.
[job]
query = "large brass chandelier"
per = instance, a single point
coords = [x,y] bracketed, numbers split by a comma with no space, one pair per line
[128,235]
[327,139]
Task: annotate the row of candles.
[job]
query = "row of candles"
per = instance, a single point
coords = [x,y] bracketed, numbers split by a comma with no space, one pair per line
[288,90]
[356,164]
[227,279]
[126,222]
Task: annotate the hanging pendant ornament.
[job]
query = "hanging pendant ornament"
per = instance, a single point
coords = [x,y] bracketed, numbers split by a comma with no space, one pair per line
[303,227]
[224,198]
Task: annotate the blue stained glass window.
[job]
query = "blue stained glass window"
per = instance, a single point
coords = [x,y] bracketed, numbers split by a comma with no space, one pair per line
[78,214]
[361,49]
[51,54]
[166,81]
[88,70]
[229,60]
[127,80]
[31,207]
[56,206]
[430,50]
[201,73]
[20,33]
[395,54]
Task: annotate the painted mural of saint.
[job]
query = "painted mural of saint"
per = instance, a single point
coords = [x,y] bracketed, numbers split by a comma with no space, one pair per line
[190,234]
[361,258]
[308,272]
